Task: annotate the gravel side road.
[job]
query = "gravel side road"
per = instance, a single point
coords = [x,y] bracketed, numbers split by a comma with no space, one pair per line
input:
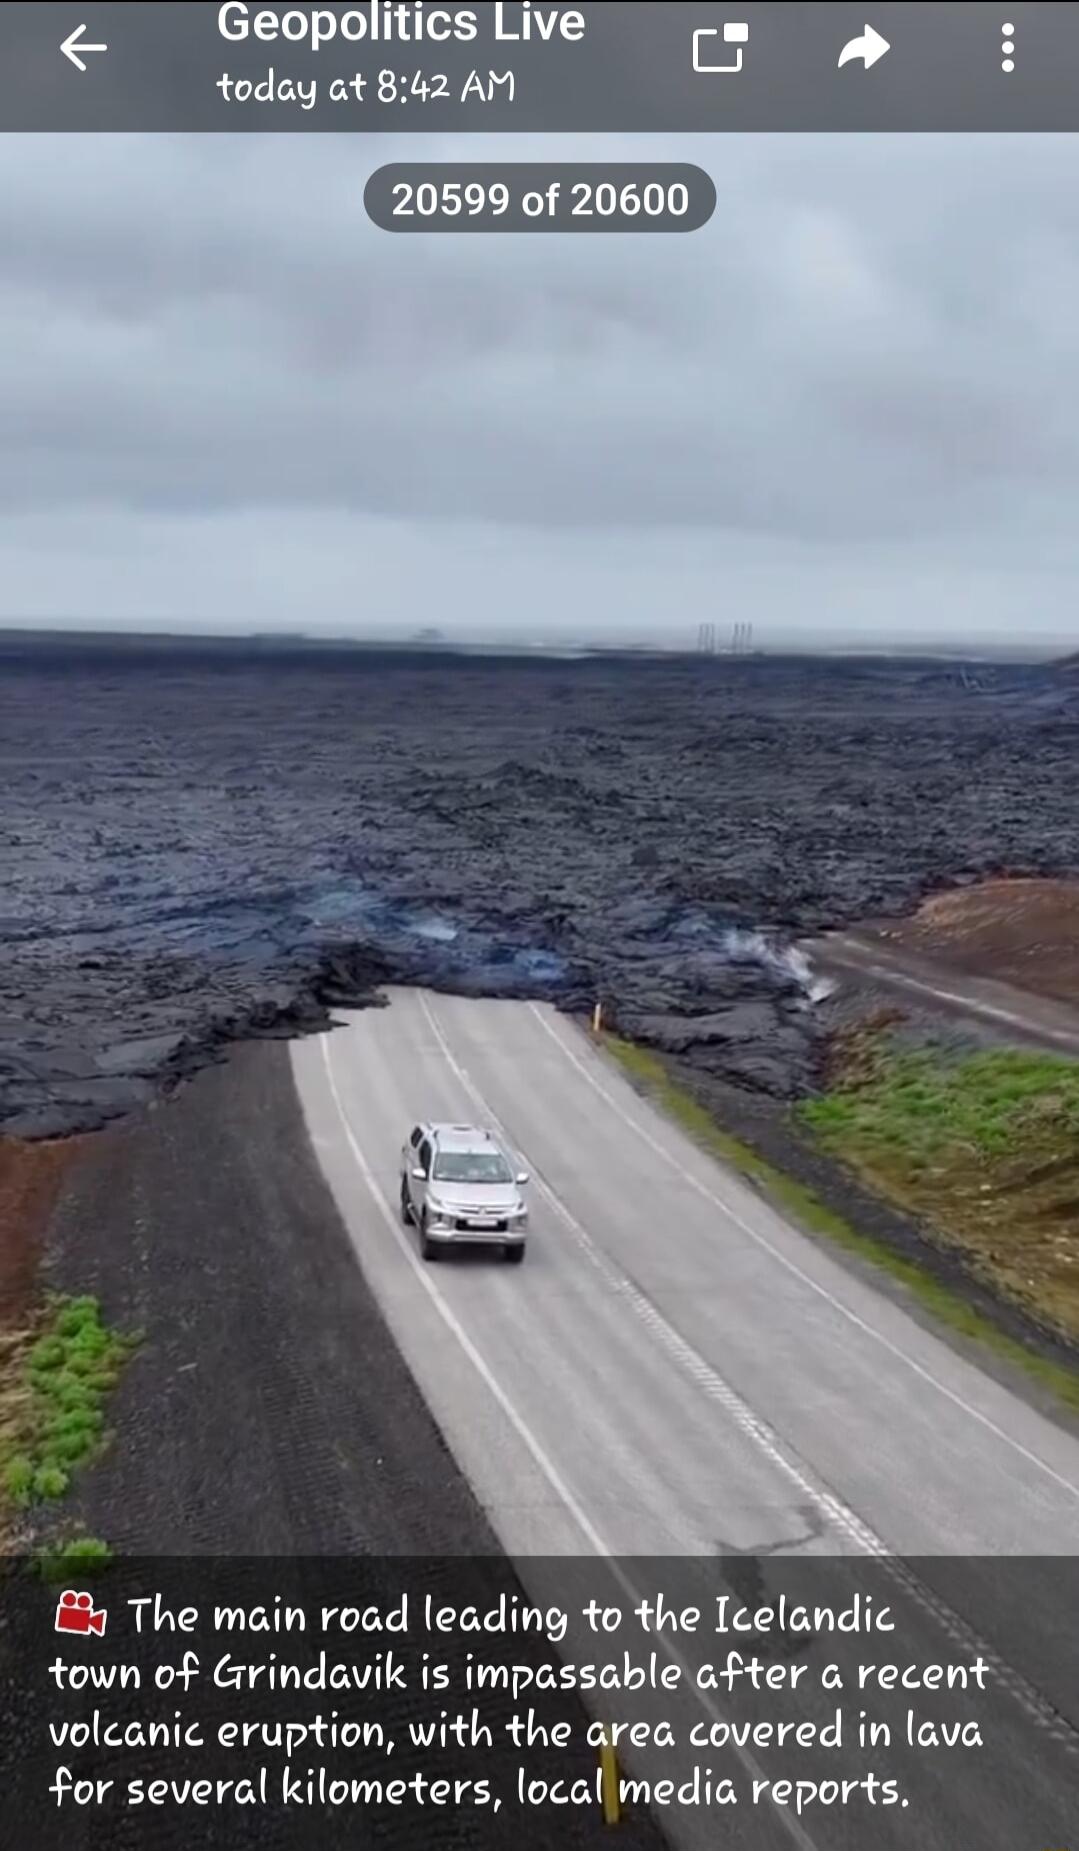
[910,976]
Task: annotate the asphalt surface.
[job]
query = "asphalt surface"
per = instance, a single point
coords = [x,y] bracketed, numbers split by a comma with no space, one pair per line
[1010,1011]
[675,1369]
[677,1373]
[265,1436]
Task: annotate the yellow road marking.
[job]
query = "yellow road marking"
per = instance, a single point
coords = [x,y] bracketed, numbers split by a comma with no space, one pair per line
[609,1783]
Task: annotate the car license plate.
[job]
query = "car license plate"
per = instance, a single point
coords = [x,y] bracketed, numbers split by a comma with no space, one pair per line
[483,1221]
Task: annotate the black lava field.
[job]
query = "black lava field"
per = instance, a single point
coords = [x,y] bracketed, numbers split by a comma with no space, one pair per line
[204,842]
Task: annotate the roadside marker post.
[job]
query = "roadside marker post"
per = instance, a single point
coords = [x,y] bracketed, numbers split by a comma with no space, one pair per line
[608,1763]
[597,1018]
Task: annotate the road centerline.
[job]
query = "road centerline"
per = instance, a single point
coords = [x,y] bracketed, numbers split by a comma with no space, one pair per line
[785,1821]
[792,1267]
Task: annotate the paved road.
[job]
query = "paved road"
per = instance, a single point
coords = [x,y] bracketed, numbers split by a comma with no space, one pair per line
[674,1369]
[1001,1006]
[675,1372]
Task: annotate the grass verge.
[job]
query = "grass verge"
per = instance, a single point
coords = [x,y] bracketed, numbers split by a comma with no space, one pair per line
[648,1072]
[982,1146]
[53,1387]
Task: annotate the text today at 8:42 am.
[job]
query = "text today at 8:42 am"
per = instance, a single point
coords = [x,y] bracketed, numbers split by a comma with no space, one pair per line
[377,25]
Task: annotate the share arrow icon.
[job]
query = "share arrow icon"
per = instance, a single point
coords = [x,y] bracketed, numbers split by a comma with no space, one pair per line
[868,48]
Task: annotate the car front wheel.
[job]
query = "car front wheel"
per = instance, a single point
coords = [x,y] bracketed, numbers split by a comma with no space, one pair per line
[514,1252]
[406,1205]
[429,1249]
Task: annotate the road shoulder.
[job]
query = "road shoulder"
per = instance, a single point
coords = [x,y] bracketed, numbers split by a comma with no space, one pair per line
[268,1410]
[879,1245]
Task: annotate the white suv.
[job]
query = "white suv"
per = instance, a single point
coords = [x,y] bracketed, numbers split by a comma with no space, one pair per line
[458,1186]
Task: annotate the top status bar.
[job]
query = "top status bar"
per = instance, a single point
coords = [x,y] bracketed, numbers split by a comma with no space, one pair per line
[504,65]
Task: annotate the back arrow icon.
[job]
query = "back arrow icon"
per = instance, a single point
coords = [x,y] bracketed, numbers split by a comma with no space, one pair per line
[869,48]
[72,40]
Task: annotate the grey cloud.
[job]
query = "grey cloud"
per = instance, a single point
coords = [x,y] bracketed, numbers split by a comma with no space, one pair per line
[874,337]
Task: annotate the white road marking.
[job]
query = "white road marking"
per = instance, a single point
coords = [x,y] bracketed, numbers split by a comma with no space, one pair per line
[791,1266]
[789,1823]
[1029,1699]
[515,1418]
[701,1373]
[972,1004]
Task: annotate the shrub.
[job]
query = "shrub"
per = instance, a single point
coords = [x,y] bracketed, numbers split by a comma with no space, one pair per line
[86,1549]
[78,1314]
[89,1341]
[67,1444]
[70,1391]
[19,1478]
[50,1481]
[47,1353]
[82,1553]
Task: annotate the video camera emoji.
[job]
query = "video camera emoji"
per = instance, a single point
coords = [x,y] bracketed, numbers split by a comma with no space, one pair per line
[77,1613]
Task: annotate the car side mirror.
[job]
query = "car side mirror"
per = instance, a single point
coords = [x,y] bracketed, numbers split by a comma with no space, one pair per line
[522,1178]
[419,1176]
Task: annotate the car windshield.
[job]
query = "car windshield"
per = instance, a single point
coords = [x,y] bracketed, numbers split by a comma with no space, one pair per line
[471,1166]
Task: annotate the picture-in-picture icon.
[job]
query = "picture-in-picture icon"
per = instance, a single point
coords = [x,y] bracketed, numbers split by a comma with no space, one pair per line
[735,32]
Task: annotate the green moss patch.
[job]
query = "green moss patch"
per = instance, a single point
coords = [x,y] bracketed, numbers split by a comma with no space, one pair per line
[86,1554]
[52,1416]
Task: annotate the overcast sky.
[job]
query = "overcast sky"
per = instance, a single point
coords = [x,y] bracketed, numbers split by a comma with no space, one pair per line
[848,406]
